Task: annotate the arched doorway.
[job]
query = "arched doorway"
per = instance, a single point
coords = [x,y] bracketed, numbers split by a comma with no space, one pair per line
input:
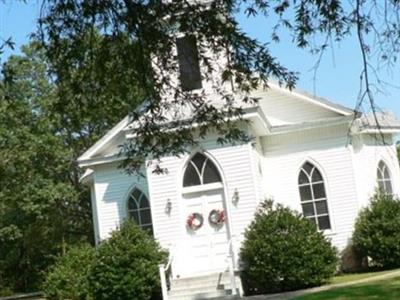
[205,237]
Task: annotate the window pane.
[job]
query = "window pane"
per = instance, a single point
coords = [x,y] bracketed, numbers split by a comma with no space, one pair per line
[189,67]
[324,223]
[144,202]
[322,207]
[308,209]
[136,194]
[305,193]
[316,176]
[319,191]
[132,203]
[145,216]
[303,178]
[379,174]
[191,177]
[211,173]
[135,215]
[381,185]
[308,167]
[386,174]
[199,160]
[312,220]
[388,187]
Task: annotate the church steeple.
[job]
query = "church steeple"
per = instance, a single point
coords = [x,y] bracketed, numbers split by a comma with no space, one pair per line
[196,63]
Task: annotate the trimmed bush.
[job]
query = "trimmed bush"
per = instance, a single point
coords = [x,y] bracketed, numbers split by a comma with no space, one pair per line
[67,278]
[126,266]
[4,292]
[351,261]
[283,251]
[377,231]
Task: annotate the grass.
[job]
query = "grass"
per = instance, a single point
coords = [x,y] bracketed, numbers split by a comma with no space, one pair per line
[388,289]
[356,276]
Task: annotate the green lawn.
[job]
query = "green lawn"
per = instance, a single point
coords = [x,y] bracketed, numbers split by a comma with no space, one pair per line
[356,276]
[388,289]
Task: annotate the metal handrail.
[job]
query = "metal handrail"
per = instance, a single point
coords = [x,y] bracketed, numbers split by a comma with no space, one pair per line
[170,258]
[230,258]
[163,271]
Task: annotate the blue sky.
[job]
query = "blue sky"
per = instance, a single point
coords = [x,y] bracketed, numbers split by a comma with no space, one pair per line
[337,76]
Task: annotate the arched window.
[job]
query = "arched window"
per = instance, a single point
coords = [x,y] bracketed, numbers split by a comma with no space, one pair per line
[139,210]
[313,196]
[200,170]
[383,178]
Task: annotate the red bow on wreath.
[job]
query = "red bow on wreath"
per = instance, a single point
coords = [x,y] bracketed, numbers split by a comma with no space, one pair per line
[217,217]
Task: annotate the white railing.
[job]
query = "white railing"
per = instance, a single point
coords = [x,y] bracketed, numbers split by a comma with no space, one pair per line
[230,257]
[163,269]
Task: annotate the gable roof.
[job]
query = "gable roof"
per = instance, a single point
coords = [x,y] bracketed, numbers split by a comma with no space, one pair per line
[384,122]
[111,134]
[324,110]
[312,99]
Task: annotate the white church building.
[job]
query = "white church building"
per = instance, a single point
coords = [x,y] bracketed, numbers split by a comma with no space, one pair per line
[319,158]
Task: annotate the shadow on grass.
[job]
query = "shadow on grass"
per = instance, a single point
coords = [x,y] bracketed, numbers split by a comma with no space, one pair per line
[385,289]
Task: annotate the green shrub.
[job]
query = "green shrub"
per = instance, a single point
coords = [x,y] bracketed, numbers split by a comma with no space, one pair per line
[282,251]
[377,231]
[4,292]
[126,266]
[67,278]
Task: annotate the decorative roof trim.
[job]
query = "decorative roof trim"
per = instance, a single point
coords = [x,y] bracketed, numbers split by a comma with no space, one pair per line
[322,102]
[100,160]
[311,125]
[104,140]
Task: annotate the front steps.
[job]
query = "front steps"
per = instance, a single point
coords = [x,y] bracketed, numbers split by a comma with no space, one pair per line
[211,286]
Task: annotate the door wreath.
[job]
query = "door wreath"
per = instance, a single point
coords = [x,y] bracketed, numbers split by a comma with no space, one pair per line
[194,221]
[216,217]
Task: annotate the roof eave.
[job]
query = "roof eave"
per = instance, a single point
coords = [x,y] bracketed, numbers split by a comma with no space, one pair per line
[311,125]
[104,140]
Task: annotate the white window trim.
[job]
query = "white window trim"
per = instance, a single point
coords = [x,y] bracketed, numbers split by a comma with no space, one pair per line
[331,230]
[128,211]
[384,179]
[202,188]
[200,173]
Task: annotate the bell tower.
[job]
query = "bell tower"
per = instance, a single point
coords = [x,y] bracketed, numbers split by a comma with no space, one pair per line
[198,63]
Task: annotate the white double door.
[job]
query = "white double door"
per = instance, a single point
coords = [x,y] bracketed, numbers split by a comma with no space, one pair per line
[202,251]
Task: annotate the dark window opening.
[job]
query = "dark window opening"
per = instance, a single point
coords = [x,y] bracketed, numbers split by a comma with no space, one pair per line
[189,66]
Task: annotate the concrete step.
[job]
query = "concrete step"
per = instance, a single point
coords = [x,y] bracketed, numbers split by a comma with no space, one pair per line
[212,286]
[197,290]
[212,279]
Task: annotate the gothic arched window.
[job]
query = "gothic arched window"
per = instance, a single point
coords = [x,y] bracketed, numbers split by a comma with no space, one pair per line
[313,196]
[200,170]
[383,178]
[139,210]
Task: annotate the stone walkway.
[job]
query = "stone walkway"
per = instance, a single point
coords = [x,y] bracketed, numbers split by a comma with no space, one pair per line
[290,295]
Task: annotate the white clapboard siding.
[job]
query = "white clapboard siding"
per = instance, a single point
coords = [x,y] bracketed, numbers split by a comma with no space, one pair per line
[112,187]
[281,109]
[368,152]
[237,171]
[267,168]
[326,148]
